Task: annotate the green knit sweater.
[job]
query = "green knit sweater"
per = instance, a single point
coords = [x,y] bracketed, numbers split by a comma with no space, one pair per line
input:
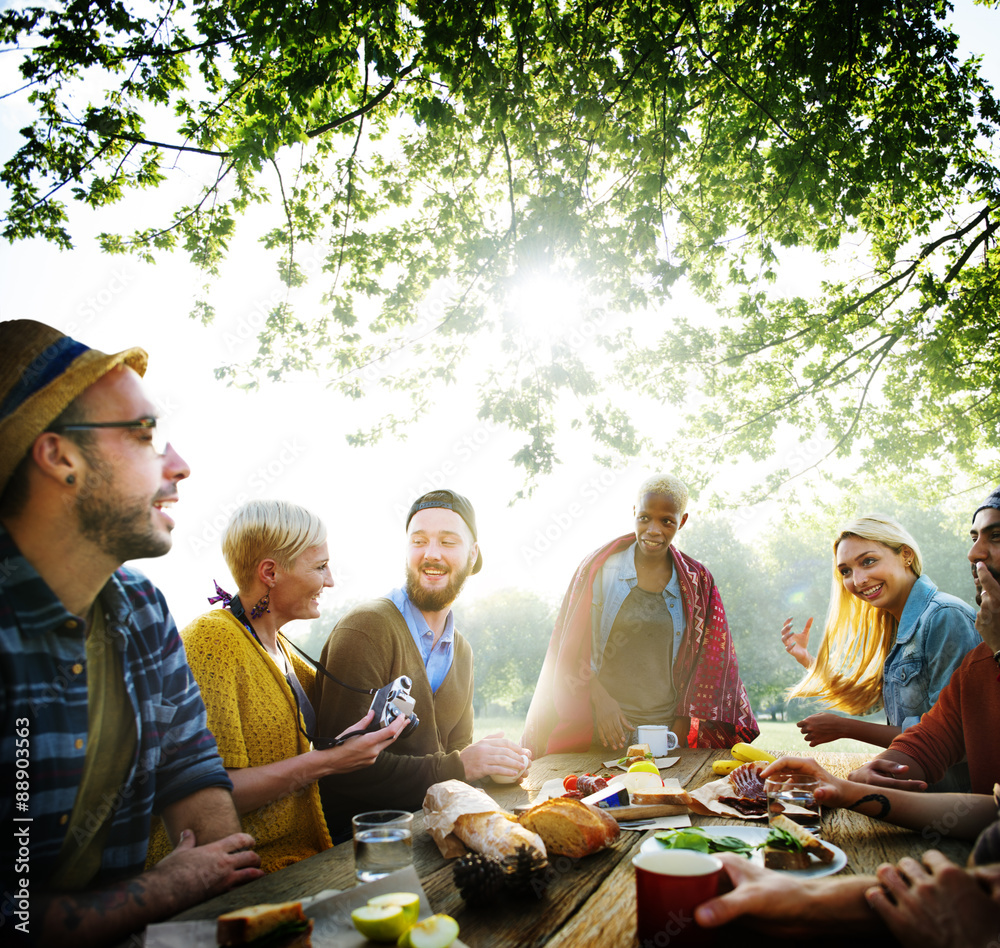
[368,648]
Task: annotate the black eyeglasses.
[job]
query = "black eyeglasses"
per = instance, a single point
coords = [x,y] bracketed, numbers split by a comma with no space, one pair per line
[159,437]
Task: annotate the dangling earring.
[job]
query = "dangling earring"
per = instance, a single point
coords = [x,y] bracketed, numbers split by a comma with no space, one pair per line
[261,606]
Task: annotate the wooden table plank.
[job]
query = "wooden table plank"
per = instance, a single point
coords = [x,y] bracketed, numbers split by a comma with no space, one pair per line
[569,883]
[590,901]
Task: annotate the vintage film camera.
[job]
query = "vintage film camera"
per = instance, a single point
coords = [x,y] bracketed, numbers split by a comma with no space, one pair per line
[390,701]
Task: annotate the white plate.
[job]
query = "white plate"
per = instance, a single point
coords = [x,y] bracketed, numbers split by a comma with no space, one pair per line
[661,763]
[754,835]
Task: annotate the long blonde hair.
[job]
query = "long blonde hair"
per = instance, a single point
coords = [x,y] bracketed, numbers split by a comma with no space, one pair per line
[858,636]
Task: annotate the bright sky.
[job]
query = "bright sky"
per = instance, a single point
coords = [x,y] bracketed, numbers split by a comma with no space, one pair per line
[288,441]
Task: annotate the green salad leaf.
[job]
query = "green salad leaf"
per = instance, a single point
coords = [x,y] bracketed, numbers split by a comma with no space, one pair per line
[623,762]
[781,839]
[695,838]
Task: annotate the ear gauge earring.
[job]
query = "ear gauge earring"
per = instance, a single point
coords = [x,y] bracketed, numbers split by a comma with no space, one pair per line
[261,606]
[71,479]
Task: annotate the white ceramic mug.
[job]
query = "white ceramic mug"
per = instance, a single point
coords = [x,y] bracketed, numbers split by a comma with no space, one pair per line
[659,738]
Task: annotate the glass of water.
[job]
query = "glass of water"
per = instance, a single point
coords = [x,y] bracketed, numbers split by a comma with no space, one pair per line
[794,796]
[383,843]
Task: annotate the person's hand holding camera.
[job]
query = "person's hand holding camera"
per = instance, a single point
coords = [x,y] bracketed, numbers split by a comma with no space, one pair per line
[361,751]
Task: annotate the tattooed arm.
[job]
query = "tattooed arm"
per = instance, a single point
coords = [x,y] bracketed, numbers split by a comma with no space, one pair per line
[936,815]
[190,874]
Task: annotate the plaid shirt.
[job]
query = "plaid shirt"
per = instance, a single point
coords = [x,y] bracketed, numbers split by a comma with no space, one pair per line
[43,714]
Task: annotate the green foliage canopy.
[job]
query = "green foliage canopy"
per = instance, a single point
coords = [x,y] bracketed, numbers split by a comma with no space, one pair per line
[452,150]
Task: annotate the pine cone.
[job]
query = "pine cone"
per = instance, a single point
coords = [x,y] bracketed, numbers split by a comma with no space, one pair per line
[524,872]
[479,878]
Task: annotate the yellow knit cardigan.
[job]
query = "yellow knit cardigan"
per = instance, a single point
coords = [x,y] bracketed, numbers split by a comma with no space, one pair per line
[252,713]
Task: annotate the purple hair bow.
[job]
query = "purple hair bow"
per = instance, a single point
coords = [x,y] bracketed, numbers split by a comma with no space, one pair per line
[222,596]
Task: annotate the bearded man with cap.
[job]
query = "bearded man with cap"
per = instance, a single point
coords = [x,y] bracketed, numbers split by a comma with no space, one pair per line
[103,722]
[962,722]
[412,632]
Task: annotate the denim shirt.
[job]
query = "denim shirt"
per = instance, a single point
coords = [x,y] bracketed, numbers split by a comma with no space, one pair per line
[617,579]
[936,631]
[437,658]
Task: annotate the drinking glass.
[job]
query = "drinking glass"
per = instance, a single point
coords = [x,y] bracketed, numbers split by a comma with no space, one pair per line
[383,843]
[794,796]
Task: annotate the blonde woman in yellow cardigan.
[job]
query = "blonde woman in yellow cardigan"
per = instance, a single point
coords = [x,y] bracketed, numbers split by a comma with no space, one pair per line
[257,691]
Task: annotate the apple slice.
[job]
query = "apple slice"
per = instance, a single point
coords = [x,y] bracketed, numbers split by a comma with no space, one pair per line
[409,902]
[438,931]
[380,922]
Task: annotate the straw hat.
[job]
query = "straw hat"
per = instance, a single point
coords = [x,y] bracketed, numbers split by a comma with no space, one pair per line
[41,372]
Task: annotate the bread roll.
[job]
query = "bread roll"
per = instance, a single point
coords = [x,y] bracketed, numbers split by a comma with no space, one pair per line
[571,828]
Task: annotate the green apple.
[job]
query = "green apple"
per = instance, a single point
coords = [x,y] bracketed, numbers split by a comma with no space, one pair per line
[380,922]
[409,902]
[438,931]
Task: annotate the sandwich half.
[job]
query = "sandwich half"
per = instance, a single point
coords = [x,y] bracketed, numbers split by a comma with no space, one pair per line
[789,846]
[278,925]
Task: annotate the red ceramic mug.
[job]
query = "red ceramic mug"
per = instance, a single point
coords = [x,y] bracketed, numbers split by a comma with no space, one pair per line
[669,886]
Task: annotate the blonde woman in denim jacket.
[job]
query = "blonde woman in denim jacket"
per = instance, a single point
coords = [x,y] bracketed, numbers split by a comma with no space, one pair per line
[892,639]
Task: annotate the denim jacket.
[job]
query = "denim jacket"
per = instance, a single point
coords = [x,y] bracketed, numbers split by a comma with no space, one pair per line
[936,631]
[614,582]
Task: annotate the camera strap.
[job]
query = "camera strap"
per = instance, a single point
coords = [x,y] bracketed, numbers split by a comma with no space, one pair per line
[236,607]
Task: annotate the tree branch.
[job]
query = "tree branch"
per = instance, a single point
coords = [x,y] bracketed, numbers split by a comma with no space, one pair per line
[882,355]
[510,186]
[137,140]
[367,107]
[885,285]
[209,192]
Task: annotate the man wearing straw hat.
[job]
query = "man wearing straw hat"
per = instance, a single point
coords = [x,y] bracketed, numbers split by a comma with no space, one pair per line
[102,722]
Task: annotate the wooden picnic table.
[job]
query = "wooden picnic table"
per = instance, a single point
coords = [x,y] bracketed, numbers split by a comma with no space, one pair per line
[590,901]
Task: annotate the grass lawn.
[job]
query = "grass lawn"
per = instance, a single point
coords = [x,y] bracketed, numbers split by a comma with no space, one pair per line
[786,738]
[486,724]
[775,736]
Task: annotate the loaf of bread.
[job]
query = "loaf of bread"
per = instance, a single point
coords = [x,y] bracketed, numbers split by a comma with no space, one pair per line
[495,834]
[244,925]
[460,817]
[571,828]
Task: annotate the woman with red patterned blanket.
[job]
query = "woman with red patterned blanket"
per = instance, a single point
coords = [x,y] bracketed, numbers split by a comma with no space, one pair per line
[641,638]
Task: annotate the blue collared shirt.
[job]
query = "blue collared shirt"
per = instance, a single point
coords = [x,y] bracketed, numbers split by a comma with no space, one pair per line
[619,578]
[43,700]
[936,631]
[437,657]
